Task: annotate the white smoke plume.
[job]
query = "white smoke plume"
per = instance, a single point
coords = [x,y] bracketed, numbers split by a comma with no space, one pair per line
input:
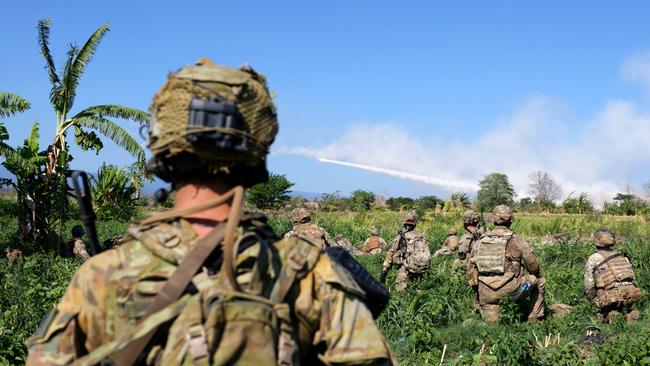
[600,155]
[445,183]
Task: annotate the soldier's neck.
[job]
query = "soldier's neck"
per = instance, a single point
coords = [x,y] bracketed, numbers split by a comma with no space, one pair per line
[189,195]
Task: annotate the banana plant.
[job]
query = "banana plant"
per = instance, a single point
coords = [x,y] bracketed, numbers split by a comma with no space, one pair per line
[88,120]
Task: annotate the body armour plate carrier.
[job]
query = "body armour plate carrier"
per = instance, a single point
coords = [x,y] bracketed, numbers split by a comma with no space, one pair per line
[616,268]
[490,255]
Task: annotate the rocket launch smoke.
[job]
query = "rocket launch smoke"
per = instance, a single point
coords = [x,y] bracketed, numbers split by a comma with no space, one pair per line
[446,183]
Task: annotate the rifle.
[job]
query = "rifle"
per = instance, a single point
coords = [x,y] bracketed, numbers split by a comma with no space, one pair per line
[384,272]
[86,213]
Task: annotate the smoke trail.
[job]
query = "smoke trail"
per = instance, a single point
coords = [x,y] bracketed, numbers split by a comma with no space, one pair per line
[446,183]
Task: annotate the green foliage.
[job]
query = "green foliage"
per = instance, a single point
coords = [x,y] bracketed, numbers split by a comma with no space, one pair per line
[334,202]
[626,204]
[114,192]
[578,205]
[273,194]
[361,200]
[495,189]
[402,203]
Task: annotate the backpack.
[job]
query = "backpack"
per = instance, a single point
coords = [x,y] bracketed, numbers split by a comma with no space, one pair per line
[417,256]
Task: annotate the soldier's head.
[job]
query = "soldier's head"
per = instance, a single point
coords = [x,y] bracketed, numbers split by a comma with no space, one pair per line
[603,238]
[409,221]
[375,231]
[300,216]
[503,215]
[451,232]
[77,231]
[471,220]
[209,121]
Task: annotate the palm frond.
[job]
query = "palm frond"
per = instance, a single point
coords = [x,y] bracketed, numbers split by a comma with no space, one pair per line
[111,130]
[116,111]
[43,42]
[14,159]
[63,95]
[4,134]
[83,56]
[32,140]
[11,104]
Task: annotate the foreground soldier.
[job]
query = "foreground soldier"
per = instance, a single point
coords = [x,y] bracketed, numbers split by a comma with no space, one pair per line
[450,245]
[304,226]
[374,244]
[466,248]
[609,279]
[204,284]
[410,252]
[501,258]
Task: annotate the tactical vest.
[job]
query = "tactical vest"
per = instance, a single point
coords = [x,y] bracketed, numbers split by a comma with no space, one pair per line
[614,269]
[490,254]
[210,324]
[373,243]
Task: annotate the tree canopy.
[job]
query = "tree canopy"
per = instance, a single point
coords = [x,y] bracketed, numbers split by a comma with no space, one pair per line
[495,189]
[273,194]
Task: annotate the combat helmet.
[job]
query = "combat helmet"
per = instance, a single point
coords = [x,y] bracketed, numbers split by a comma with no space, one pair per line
[375,231]
[503,215]
[78,231]
[470,217]
[209,119]
[300,216]
[604,238]
[410,219]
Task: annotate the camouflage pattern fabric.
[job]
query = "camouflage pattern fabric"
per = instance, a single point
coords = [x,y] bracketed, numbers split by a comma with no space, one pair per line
[465,253]
[495,287]
[610,285]
[324,312]
[449,246]
[78,249]
[374,245]
[412,256]
[312,230]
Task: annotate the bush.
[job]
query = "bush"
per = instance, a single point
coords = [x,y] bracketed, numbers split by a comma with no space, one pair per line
[273,194]
[114,192]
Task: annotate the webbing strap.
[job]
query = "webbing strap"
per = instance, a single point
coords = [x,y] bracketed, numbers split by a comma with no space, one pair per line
[606,260]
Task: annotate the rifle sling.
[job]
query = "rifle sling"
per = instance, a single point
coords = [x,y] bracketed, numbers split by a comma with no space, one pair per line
[173,289]
[606,260]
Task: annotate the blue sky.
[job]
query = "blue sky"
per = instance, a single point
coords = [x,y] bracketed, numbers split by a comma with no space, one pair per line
[449,90]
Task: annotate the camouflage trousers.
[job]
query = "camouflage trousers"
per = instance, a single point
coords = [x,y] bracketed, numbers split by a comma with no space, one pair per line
[612,302]
[489,298]
[472,281]
[402,278]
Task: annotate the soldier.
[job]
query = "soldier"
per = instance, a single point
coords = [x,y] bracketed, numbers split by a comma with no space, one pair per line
[76,247]
[466,248]
[374,244]
[501,257]
[302,225]
[205,284]
[410,252]
[609,279]
[450,245]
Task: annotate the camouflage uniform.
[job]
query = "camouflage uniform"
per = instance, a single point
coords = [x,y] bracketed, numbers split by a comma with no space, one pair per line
[411,254]
[609,279]
[302,225]
[255,300]
[449,246]
[501,258]
[466,249]
[76,247]
[374,244]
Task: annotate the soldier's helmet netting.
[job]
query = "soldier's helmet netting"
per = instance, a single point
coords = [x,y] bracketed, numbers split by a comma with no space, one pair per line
[375,231]
[604,238]
[300,215]
[503,215]
[470,217]
[220,116]
[410,219]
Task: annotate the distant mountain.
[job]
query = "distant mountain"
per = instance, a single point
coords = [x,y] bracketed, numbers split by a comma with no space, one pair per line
[311,196]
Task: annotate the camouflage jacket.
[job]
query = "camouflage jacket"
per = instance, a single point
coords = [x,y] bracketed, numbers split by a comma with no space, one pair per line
[398,251]
[312,230]
[619,271]
[466,245]
[110,292]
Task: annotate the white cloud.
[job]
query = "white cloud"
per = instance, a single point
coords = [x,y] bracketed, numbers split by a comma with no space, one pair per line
[637,68]
[601,158]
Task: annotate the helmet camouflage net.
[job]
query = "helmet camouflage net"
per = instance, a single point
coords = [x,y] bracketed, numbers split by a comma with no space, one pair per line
[171,131]
[300,215]
[503,215]
[470,217]
[410,218]
[375,231]
[604,238]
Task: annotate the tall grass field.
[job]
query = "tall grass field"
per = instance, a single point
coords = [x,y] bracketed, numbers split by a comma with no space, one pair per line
[432,322]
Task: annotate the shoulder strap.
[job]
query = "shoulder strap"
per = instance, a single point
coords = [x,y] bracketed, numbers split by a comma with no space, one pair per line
[616,255]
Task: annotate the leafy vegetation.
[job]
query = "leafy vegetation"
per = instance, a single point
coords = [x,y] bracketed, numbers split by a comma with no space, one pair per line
[495,189]
[273,194]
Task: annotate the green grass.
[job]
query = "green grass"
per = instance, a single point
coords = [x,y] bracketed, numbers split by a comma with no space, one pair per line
[433,314]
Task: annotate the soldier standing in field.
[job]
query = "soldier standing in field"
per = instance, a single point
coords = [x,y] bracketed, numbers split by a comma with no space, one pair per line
[466,248]
[609,279]
[450,245]
[374,244]
[76,247]
[409,252]
[502,259]
[303,225]
[205,283]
